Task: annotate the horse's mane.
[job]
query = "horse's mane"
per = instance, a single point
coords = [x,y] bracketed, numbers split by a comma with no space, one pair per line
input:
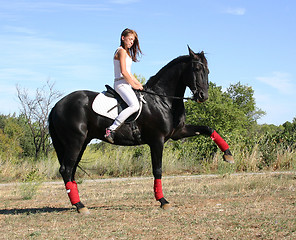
[154,79]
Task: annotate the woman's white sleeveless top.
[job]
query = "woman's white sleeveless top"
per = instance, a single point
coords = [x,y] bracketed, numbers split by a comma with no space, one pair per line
[117,70]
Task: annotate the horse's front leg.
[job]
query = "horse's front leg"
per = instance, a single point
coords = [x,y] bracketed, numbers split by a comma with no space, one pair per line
[193,130]
[156,157]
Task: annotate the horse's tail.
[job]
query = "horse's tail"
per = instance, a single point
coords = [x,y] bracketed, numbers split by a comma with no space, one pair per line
[51,126]
[53,134]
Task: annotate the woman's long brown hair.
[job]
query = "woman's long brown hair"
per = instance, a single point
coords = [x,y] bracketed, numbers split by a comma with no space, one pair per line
[135,51]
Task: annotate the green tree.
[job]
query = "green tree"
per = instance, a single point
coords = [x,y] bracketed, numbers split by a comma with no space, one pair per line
[10,135]
[26,141]
[225,111]
[35,110]
[233,114]
[243,97]
[140,78]
[275,140]
[288,135]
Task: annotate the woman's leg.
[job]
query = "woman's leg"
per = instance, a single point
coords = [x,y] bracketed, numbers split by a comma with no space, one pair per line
[129,96]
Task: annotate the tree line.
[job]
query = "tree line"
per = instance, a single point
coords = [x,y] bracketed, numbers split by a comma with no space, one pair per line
[232,113]
[26,135]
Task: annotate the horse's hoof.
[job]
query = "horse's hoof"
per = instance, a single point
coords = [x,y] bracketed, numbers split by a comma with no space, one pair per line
[83,211]
[228,158]
[166,206]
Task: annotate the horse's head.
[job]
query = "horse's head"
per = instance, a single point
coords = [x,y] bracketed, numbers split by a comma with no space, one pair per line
[198,79]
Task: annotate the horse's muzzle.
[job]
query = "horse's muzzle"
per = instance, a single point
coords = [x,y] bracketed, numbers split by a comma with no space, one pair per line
[201,96]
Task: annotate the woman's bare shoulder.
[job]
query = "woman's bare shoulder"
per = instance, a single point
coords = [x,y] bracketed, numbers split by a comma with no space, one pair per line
[120,53]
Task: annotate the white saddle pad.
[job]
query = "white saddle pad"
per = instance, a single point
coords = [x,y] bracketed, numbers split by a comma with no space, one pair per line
[105,106]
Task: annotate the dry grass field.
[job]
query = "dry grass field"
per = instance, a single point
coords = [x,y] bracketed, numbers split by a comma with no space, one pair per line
[261,206]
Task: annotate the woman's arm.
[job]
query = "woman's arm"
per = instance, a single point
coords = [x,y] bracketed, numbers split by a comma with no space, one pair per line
[129,78]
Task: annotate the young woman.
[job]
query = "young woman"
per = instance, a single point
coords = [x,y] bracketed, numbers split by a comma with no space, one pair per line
[125,82]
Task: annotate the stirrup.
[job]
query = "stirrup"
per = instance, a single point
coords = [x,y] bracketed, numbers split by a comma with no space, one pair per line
[109,135]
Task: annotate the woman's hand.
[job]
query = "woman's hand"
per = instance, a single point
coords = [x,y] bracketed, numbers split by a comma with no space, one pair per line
[138,86]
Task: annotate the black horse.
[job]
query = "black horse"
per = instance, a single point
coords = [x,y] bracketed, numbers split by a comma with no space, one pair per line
[73,123]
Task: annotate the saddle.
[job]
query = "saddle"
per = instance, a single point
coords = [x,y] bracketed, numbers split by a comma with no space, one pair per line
[109,104]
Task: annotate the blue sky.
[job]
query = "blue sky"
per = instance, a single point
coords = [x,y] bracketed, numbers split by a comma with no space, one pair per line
[71,42]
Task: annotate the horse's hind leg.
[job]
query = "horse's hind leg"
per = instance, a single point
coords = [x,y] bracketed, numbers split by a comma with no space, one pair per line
[68,168]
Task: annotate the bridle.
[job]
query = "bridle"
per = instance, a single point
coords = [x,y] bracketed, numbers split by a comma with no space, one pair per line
[194,92]
[196,84]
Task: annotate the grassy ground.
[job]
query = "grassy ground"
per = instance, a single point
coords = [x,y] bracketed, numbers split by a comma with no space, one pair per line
[115,161]
[245,206]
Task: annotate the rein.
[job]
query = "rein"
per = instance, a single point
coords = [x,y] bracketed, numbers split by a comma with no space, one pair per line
[166,96]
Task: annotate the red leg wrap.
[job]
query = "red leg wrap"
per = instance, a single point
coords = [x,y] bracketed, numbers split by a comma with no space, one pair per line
[219,141]
[72,191]
[158,189]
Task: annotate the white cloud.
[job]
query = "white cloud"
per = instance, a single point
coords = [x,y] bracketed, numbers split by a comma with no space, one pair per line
[236,11]
[280,81]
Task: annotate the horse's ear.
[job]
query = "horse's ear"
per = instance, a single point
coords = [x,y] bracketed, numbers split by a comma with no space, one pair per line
[191,53]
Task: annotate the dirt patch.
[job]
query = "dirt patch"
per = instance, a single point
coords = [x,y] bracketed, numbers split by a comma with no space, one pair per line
[215,207]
